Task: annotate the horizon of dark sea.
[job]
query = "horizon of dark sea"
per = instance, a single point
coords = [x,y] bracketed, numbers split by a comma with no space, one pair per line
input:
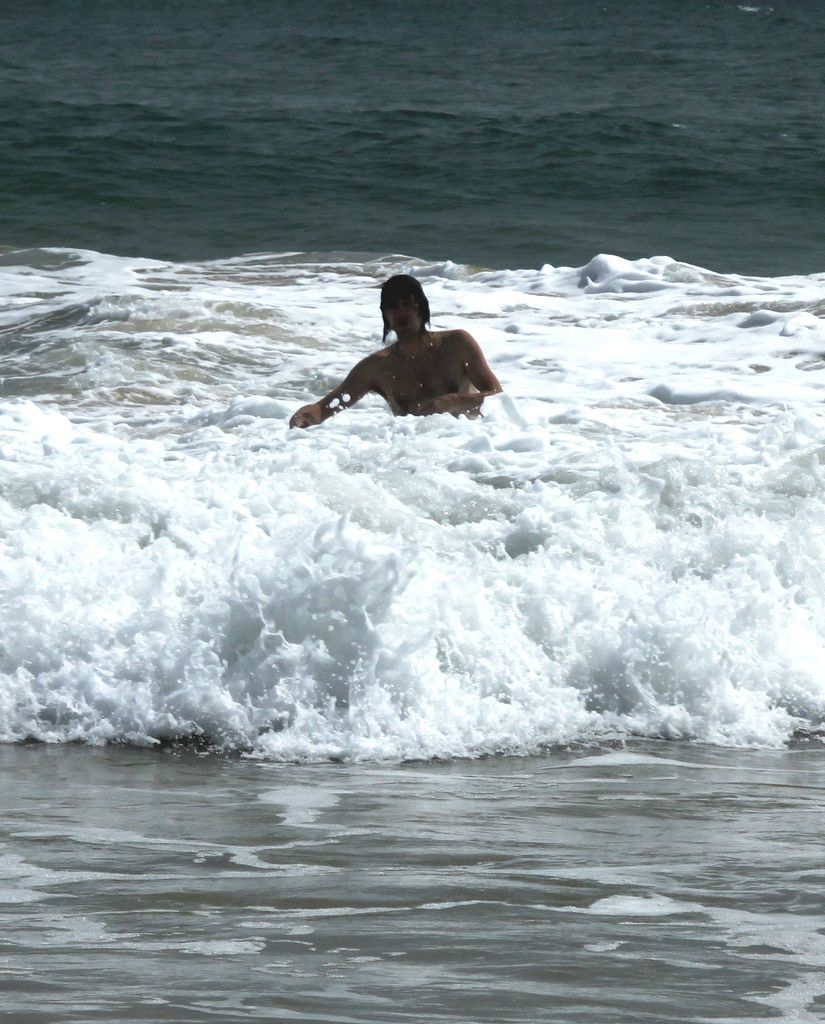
[497,135]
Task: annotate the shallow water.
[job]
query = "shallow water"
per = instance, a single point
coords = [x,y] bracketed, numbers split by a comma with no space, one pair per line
[653,882]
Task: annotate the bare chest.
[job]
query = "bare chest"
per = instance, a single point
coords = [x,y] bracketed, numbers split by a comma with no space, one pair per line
[418,378]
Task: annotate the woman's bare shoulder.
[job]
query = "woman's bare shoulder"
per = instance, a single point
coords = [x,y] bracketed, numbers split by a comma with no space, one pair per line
[455,340]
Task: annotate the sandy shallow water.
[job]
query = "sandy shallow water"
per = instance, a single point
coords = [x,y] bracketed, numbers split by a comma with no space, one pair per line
[651,882]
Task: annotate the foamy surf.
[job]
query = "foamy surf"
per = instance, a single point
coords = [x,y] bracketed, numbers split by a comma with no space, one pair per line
[628,544]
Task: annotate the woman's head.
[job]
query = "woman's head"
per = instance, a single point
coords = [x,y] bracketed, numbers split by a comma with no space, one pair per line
[399,288]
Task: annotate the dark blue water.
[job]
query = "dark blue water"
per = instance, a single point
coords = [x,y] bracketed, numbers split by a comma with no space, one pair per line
[502,134]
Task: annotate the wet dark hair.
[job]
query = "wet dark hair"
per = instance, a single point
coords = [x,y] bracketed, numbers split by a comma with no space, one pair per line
[403,286]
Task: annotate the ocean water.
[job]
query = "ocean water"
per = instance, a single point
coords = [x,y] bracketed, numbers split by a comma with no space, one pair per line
[630,885]
[490,134]
[510,719]
[412,719]
[629,543]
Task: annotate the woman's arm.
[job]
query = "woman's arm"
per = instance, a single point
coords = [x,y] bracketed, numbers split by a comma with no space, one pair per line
[358,382]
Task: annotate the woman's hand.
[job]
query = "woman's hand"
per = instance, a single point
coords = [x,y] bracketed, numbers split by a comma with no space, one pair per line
[307,416]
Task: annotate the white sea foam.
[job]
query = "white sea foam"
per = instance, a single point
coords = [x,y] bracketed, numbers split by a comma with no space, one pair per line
[639,906]
[630,542]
